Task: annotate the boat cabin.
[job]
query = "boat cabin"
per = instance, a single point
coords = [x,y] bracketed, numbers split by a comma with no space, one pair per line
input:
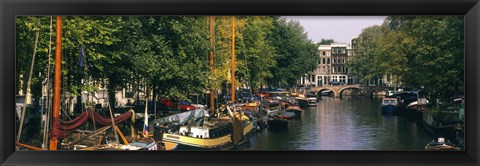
[390,101]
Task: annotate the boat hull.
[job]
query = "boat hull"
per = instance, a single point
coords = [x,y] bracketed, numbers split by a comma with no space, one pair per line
[303,103]
[295,109]
[277,124]
[312,101]
[220,143]
[389,109]
[445,130]
[287,115]
[441,146]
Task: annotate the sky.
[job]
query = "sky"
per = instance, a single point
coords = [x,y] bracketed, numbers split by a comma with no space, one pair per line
[339,28]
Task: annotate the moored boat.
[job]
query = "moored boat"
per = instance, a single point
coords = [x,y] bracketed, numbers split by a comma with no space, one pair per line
[145,144]
[441,121]
[311,99]
[286,115]
[250,106]
[295,109]
[302,101]
[389,105]
[441,144]
[404,98]
[326,93]
[276,124]
[418,105]
[198,131]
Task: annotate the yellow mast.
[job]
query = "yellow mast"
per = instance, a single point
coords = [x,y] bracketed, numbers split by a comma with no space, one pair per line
[233,60]
[212,67]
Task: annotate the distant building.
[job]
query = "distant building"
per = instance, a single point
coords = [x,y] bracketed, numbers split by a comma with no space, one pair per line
[332,66]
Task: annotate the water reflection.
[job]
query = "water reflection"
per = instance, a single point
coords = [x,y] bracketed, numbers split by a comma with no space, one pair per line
[350,123]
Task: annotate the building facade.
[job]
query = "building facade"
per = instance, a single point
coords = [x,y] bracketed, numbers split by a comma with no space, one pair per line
[332,66]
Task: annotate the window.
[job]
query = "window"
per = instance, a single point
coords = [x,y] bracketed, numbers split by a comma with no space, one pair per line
[323,52]
[323,60]
[328,60]
[334,60]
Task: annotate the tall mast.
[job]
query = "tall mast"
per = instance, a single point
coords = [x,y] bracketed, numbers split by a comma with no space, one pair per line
[233,60]
[212,67]
[27,94]
[57,77]
[47,119]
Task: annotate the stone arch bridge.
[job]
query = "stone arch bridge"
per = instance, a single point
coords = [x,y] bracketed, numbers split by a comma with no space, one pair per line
[338,89]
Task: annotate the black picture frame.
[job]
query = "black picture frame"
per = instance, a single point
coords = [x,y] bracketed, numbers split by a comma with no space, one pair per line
[11,8]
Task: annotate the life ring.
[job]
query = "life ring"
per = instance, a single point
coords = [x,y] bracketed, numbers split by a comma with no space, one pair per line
[256,109]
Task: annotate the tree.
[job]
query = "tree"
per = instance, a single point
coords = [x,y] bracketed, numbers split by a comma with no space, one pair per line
[295,54]
[436,53]
[421,51]
[326,41]
[255,51]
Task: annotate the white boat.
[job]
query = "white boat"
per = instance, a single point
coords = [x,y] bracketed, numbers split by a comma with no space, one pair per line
[312,101]
[389,105]
[420,104]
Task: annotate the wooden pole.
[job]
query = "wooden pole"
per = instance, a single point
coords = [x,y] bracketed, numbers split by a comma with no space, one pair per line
[29,82]
[121,135]
[233,60]
[57,77]
[28,146]
[212,67]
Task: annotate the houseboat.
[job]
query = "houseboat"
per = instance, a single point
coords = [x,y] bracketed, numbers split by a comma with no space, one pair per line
[389,105]
[198,131]
[295,109]
[441,120]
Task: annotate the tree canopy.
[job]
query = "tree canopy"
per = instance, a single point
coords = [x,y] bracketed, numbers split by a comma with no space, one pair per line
[421,51]
[167,54]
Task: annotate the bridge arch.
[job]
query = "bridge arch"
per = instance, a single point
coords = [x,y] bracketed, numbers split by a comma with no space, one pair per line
[340,92]
[318,92]
[372,90]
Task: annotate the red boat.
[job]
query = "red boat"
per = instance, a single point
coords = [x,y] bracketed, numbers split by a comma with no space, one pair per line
[295,109]
[286,115]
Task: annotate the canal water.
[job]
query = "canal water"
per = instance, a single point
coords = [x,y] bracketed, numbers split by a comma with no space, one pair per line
[350,123]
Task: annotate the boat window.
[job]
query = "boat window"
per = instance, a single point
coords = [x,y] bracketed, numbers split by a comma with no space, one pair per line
[389,101]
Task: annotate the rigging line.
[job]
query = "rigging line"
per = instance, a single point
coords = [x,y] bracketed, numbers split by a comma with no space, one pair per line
[113,123]
[66,113]
[47,118]
[94,128]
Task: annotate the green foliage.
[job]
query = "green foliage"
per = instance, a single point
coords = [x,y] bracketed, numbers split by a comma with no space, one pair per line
[169,53]
[421,51]
[255,51]
[326,42]
[295,54]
